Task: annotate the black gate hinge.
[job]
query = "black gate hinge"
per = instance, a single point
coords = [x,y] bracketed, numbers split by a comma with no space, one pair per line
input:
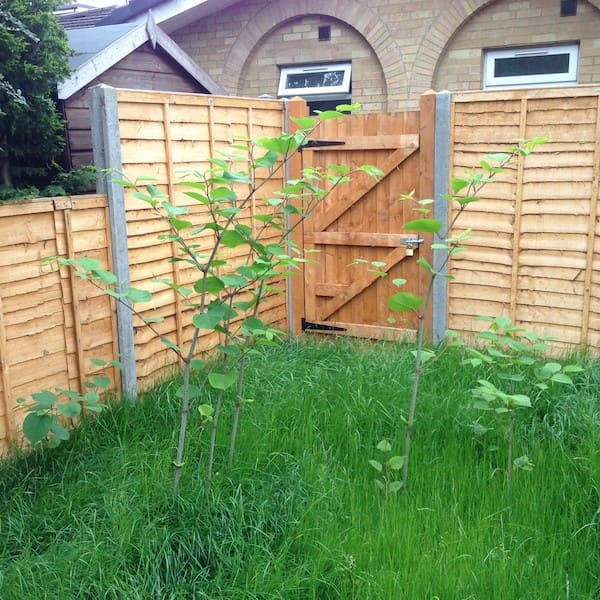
[322,143]
[309,326]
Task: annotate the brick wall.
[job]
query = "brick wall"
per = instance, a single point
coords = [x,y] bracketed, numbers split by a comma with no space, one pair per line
[521,22]
[297,42]
[398,48]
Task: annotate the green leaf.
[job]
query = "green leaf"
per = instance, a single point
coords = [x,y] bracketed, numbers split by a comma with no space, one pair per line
[223,194]
[193,391]
[305,122]
[174,211]
[105,277]
[206,411]
[464,200]
[211,285]
[267,161]
[232,239]
[395,463]
[136,295]
[36,427]
[457,184]
[234,281]
[180,224]
[169,344]
[425,225]
[274,249]
[423,262]
[282,145]
[88,264]
[222,381]
[326,115]
[376,465]
[384,446]
[69,409]
[372,171]
[59,431]
[102,382]
[45,399]
[399,282]
[395,486]
[520,400]
[254,324]
[498,157]
[562,378]
[404,302]
[91,397]
[426,355]
[346,108]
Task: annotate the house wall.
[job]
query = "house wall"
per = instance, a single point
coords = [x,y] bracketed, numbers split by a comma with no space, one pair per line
[143,69]
[513,24]
[396,46]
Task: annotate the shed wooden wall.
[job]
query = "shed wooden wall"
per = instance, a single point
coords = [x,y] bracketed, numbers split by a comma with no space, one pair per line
[51,323]
[145,69]
[164,136]
[536,252]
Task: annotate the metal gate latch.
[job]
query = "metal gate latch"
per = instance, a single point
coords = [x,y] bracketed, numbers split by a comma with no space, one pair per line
[411,244]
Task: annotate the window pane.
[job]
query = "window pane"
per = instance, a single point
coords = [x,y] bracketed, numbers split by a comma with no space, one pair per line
[531,65]
[314,80]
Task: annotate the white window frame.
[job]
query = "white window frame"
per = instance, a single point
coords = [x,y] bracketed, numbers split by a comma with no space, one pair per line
[490,81]
[343,88]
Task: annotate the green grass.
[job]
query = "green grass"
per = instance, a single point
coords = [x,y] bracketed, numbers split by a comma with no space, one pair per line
[300,517]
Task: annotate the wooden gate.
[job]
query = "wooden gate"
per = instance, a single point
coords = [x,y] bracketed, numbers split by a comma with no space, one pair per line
[356,234]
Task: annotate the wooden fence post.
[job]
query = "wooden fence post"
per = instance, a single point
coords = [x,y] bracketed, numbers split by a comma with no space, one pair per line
[106,141]
[296,107]
[441,185]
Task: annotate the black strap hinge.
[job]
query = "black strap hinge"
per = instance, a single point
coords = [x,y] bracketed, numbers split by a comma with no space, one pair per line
[322,143]
[309,326]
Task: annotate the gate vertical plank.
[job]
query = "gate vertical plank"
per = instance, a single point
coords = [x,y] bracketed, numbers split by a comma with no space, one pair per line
[296,108]
[426,186]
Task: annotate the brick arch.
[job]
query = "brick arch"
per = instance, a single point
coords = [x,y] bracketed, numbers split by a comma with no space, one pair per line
[356,15]
[440,35]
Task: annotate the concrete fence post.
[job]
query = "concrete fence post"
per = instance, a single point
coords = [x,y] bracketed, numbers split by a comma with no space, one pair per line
[106,142]
[441,185]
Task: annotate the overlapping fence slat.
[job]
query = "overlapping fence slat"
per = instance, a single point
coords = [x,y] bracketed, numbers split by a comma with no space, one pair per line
[535,256]
[51,323]
[166,137]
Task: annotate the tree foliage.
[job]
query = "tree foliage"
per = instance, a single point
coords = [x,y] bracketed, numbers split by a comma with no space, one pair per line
[33,58]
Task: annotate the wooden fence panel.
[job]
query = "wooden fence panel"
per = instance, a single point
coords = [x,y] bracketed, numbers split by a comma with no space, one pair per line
[535,255]
[51,323]
[164,136]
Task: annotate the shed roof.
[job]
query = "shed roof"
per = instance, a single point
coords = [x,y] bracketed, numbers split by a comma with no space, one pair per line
[170,14]
[77,16]
[97,49]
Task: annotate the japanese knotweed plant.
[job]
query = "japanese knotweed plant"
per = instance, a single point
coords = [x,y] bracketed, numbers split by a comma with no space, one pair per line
[464,191]
[51,412]
[387,468]
[249,254]
[519,378]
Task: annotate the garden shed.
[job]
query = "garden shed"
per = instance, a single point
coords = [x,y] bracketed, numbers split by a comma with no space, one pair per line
[129,55]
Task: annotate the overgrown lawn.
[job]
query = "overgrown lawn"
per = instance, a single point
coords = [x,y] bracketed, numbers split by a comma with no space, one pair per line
[300,516]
